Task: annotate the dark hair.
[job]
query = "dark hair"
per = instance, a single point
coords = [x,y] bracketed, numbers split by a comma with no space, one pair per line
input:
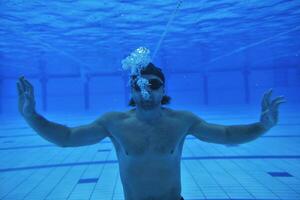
[152,69]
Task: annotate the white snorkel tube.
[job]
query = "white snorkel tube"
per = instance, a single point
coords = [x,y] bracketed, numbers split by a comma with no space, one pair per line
[135,62]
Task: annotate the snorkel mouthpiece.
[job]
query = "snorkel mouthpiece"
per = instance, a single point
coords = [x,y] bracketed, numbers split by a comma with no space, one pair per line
[135,62]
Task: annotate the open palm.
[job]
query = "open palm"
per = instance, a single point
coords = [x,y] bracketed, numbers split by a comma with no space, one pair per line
[269,112]
[26,103]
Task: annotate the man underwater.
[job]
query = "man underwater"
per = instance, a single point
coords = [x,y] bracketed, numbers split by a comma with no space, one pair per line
[149,138]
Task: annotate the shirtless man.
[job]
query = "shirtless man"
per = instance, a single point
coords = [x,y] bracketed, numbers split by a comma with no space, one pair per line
[149,138]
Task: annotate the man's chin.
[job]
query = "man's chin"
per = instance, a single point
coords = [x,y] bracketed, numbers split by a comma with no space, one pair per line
[147,104]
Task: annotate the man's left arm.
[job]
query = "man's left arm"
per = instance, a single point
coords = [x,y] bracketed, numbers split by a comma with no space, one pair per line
[238,134]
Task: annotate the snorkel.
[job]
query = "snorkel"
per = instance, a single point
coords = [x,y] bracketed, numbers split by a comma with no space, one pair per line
[135,62]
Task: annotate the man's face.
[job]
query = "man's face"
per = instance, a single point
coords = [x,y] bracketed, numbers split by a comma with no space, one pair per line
[155,95]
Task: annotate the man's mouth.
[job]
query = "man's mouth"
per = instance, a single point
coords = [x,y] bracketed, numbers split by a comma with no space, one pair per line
[147,101]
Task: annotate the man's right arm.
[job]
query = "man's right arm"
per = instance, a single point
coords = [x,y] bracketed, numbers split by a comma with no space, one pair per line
[65,136]
[58,134]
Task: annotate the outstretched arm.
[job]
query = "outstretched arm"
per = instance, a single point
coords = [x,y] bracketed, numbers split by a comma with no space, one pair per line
[58,134]
[237,134]
[65,136]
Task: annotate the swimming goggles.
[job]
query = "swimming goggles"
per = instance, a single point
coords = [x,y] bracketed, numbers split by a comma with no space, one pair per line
[154,84]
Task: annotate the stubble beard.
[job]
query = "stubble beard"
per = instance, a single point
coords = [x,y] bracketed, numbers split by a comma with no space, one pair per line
[148,105]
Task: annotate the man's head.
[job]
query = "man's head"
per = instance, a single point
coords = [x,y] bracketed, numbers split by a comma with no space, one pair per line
[156,88]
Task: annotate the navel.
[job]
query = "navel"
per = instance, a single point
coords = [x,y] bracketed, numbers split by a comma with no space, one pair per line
[172,151]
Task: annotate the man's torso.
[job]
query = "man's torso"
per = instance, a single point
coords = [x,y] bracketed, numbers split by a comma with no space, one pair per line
[149,154]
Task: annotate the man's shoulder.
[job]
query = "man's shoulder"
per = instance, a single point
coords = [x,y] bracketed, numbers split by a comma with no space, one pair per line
[186,115]
[112,116]
[181,113]
[115,115]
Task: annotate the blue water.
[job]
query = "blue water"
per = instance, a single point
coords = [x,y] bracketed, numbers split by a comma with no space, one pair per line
[219,57]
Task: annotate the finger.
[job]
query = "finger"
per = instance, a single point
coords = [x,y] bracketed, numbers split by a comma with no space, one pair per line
[280,98]
[264,112]
[264,103]
[22,85]
[28,85]
[22,81]
[276,105]
[19,88]
[268,97]
[28,96]
[21,77]
[270,90]
[30,88]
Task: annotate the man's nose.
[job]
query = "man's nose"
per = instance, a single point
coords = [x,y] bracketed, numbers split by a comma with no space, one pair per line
[148,89]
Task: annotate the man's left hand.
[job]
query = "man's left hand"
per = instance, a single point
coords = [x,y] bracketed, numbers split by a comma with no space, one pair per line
[269,115]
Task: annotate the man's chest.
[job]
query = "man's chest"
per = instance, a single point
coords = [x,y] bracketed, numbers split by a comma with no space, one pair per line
[139,138]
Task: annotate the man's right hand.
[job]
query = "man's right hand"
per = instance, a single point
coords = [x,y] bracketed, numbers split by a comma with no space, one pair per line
[26,97]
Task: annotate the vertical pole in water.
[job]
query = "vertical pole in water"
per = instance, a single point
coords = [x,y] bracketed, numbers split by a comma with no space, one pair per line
[205,88]
[280,75]
[43,82]
[126,89]
[205,56]
[246,71]
[246,74]
[86,93]
[1,92]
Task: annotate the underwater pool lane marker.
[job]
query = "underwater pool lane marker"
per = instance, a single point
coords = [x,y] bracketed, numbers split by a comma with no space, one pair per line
[102,162]
[87,180]
[280,174]
[252,45]
[167,28]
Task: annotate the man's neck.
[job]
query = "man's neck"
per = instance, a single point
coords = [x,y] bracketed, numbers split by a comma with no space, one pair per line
[149,115]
